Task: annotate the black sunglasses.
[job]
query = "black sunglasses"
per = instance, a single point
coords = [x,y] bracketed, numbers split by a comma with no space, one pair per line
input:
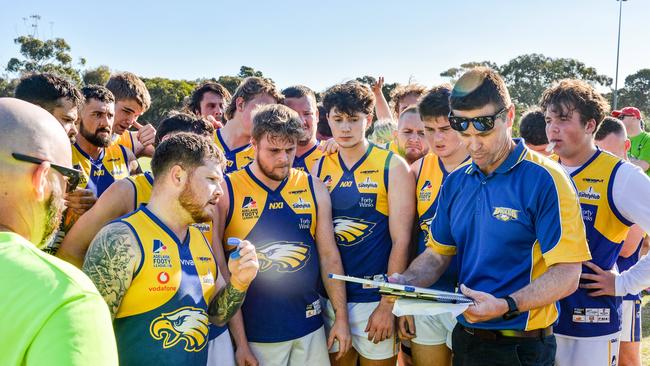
[481,124]
[72,175]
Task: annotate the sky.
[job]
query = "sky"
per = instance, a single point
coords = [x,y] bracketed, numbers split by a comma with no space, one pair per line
[320,43]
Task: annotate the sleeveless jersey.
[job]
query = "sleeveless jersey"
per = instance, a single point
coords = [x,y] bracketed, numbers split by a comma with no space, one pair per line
[282,303]
[142,185]
[360,213]
[126,140]
[624,264]
[580,314]
[98,175]
[393,147]
[308,159]
[430,178]
[163,318]
[236,158]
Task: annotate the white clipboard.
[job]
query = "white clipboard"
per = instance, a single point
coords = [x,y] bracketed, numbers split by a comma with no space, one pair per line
[409,292]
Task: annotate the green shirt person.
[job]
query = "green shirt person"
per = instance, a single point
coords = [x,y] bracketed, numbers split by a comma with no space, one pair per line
[639,153]
[51,313]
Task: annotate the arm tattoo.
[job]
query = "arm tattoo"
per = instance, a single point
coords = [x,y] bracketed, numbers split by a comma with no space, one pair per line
[110,263]
[225,304]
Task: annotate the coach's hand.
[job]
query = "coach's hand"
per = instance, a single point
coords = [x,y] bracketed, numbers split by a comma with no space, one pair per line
[80,200]
[381,323]
[244,356]
[485,307]
[604,282]
[244,269]
[146,133]
[406,327]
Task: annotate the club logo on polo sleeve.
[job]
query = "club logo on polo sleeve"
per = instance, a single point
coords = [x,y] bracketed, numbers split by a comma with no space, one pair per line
[505,214]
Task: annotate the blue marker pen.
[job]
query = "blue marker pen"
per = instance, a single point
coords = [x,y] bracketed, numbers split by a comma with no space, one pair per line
[234,242]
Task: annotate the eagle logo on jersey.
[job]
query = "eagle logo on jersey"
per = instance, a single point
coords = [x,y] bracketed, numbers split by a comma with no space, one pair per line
[187,324]
[425,226]
[284,255]
[351,231]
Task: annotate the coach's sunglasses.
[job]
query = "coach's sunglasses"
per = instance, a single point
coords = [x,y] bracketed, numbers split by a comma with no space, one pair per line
[481,124]
[72,175]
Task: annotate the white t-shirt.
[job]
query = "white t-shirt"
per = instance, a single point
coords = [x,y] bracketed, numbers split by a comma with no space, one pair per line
[631,196]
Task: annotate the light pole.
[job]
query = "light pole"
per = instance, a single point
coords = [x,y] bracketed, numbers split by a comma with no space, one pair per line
[618,49]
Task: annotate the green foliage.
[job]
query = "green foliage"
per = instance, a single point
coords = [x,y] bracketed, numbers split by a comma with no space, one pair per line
[7,87]
[455,73]
[527,76]
[229,82]
[98,75]
[51,55]
[636,92]
[166,95]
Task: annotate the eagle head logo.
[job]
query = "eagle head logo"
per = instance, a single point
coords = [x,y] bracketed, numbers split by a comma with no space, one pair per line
[284,255]
[350,231]
[188,325]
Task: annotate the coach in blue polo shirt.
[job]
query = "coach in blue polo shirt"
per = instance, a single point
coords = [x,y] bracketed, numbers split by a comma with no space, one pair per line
[513,220]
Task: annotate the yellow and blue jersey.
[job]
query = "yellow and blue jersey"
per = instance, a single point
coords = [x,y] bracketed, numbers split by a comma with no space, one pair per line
[430,179]
[507,228]
[235,158]
[163,318]
[98,174]
[126,140]
[360,216]
[283,302]
[142,185]
[393,147]
[583,315]
[307,160]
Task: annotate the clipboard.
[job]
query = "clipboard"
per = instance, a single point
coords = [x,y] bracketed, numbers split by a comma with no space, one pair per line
[407,291]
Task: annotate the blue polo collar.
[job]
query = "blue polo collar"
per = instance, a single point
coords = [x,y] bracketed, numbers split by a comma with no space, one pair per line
[515,157]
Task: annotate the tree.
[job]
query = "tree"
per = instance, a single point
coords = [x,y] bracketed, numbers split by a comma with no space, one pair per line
[229,82]
[51,55]
[247,71]
[7,87]
[98,75]
[455,73]
[636,91]
[166,95]
[527,76]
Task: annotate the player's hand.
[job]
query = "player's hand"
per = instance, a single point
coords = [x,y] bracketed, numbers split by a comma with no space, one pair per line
[377,86]
[329,146]
[604,282]
[340,332]
[485,307]
[146,133]
[406,327]
[244,356]
[213,121]
[397,278]
[381,323]
[79,201]
[244,269]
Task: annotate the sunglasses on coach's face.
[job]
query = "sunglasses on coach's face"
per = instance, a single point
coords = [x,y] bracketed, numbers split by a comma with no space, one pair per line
[481,124]
[72,176]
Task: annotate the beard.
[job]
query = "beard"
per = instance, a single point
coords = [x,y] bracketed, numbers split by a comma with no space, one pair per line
[53,215]
[188,201]
[94,138]
[272,173]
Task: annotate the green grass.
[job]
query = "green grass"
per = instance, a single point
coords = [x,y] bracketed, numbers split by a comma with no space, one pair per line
[645,331]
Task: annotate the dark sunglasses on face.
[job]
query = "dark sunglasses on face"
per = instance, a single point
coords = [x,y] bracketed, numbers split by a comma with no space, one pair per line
[72,175]
[481,124]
